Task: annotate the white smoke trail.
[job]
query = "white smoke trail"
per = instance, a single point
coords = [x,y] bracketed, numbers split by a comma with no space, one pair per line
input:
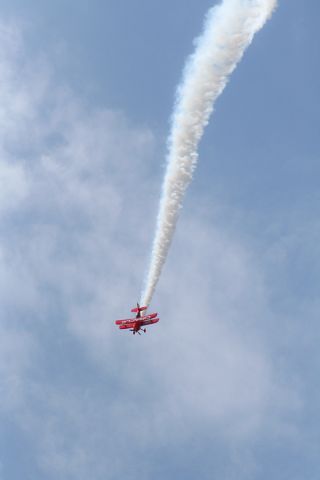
[229,29]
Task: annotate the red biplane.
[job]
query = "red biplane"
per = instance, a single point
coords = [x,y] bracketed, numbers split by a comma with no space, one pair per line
[135,324]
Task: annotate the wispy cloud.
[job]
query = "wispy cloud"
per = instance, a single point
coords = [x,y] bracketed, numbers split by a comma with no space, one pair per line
[76,206]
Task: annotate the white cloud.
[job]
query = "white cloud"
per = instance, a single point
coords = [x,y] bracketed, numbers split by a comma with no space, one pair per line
[13,186]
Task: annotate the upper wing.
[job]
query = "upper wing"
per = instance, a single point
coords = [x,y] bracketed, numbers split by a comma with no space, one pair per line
[148,317]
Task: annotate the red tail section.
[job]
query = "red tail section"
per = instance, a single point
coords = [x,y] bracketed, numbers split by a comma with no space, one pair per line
[138,309]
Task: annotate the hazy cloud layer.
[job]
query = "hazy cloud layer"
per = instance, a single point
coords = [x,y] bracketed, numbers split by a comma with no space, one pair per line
[78,199]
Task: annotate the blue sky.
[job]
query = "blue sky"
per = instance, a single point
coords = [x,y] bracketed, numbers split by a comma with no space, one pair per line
[226,385]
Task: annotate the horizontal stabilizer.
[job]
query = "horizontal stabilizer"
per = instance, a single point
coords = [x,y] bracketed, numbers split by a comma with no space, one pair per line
[138,309]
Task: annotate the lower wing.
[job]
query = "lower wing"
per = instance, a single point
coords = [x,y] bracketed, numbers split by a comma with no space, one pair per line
[150,321]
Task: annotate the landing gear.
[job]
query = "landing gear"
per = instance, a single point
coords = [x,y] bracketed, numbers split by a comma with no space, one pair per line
[138,332]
